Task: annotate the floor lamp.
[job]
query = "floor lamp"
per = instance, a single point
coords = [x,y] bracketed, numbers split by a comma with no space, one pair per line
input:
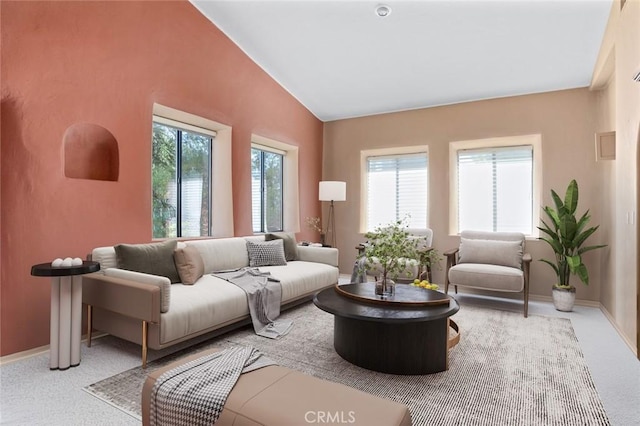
[332,191]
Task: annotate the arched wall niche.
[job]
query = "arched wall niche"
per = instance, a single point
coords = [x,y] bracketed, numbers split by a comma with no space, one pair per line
[90,152]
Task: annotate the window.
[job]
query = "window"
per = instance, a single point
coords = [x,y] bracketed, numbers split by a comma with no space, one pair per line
[396,188]
[267,189]
[496,185]
[181,179]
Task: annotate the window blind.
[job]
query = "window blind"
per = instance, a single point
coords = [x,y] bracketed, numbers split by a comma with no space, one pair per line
[495,189]
[397,189]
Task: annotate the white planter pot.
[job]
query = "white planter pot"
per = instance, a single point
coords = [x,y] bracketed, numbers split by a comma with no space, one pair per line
[563,299]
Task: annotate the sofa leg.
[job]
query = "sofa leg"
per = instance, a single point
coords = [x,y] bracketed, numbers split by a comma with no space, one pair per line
[455,287]
[144,344]
[526,304]
[89,325]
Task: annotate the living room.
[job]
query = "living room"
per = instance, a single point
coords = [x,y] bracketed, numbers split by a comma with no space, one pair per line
[115,64]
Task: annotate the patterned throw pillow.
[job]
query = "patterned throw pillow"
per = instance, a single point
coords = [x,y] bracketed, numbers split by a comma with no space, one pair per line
[268,253]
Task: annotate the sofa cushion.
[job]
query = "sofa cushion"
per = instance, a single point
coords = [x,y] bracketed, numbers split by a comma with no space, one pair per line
[290,244]
[219,254]
[189,264]
[300,278]
[493,252]
[211,302]
[491,277]
[163,282]
[153,258]
[266,253]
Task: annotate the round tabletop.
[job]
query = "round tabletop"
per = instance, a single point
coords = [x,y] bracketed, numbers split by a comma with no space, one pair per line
[46,270]
[329,300]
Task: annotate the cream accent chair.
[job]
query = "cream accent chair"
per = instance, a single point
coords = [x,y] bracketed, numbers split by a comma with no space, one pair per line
[490,261]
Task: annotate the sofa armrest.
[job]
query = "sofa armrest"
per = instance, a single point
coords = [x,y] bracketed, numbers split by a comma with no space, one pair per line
[163,282]
[319,255]
[126,297]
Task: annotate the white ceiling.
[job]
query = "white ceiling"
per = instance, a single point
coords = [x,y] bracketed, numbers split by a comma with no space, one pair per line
[341,60]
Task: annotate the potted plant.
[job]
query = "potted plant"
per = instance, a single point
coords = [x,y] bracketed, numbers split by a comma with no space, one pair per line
[566,236]
[390,249]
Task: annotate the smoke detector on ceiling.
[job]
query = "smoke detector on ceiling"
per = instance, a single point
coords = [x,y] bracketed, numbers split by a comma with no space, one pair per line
[382,10]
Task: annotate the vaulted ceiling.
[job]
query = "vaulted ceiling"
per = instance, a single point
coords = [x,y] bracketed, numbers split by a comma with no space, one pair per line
[340,59]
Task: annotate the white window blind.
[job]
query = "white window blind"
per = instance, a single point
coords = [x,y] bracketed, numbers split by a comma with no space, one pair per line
[396,189]
[495,189]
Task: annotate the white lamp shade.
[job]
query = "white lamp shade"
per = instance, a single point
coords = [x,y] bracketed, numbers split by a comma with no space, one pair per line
[333,191]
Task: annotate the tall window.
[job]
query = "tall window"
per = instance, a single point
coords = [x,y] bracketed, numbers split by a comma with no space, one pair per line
[495,189]
[181,180]
[397,189]
[266,189]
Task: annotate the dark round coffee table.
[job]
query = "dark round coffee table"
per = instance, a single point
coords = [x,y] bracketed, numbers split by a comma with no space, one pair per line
[395,338]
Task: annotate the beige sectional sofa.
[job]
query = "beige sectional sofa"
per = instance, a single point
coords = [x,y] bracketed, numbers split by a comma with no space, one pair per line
[147,309]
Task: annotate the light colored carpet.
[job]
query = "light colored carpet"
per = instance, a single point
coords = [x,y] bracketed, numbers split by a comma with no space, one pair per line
[506,370]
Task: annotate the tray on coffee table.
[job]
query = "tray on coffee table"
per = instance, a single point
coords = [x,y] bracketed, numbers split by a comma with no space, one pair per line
[405,295]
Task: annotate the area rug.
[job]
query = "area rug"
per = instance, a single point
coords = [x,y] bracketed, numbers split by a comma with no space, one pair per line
[506,370]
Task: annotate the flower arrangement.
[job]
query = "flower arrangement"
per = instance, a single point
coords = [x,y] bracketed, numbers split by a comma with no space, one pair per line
[313,223]
[390,247]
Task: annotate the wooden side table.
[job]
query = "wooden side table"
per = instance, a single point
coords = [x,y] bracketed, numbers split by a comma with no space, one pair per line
[66,311]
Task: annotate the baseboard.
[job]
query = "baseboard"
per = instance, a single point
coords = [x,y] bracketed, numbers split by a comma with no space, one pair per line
[620,332]
[578,302]
[19,356]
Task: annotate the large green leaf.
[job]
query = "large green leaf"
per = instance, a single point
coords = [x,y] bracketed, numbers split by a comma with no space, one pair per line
[555,244]
[589,248]
[581,238]
[568,227]
[555,217]
[574,262]
[582,273]
[548,230]
[557,201]
[584,219]
[571,197]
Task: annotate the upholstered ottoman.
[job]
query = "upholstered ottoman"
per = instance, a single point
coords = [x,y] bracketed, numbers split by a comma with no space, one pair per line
[278,396]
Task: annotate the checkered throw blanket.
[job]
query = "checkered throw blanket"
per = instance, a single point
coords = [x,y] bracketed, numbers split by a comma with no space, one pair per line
[264,296]
[194,393]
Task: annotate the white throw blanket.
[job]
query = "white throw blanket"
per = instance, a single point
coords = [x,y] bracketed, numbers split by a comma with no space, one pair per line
[194,393]
[264,296]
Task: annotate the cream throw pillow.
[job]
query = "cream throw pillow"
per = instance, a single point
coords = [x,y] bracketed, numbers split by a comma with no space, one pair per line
[492,252]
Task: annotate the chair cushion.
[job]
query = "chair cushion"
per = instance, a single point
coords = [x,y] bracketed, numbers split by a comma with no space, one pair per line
[490,277]
[493,252]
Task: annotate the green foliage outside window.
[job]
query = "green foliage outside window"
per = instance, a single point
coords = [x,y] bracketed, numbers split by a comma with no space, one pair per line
[185,154]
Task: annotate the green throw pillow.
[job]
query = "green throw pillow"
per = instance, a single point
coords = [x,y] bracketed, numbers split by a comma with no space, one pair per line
[290,244]
[153,258]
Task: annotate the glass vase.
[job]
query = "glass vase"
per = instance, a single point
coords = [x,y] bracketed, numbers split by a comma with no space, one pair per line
[386,287]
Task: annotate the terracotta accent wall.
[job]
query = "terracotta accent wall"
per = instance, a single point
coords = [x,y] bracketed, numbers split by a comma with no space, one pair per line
[619,110]
[107,63]
[565,119]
